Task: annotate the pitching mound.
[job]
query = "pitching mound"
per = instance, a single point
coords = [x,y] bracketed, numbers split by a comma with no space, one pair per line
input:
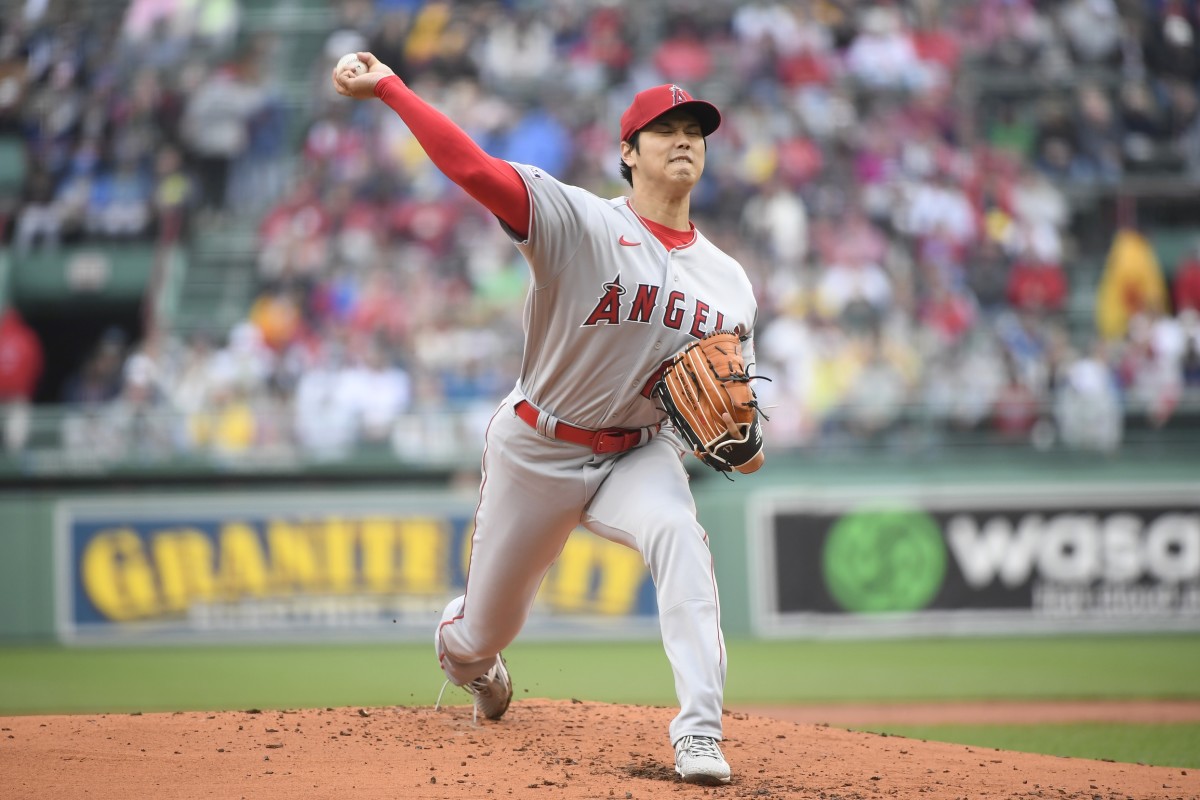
[541,749]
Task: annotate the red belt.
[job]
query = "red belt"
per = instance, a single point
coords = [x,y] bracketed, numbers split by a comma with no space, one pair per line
[607,440]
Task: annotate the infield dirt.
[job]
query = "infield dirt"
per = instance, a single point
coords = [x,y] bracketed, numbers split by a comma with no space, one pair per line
[542,749]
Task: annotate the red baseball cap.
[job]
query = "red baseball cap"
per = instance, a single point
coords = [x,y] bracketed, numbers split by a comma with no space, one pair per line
[658,100]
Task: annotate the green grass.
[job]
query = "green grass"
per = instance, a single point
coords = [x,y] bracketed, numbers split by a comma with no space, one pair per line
[51,679]
[1165,745]
[68,680]
[1018,668]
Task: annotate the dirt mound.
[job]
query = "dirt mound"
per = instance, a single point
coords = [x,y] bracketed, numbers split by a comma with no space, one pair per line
[541,749]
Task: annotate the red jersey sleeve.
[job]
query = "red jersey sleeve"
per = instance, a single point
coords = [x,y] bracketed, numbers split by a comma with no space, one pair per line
[490,180]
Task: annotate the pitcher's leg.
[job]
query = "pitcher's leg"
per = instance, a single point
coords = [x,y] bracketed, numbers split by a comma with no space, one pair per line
[645,503]
[529,503]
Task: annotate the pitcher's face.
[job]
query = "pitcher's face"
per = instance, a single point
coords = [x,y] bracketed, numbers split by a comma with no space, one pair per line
[670,151]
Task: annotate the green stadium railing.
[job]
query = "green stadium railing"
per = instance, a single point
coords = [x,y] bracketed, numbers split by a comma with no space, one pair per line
[65,444]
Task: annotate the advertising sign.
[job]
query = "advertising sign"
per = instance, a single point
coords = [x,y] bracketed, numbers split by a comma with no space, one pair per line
[329,564]
[990,560]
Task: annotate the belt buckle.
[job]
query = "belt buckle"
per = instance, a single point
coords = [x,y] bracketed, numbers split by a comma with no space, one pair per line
[615,441]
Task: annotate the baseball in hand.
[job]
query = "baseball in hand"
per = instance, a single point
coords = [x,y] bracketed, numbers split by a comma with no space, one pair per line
[351,60]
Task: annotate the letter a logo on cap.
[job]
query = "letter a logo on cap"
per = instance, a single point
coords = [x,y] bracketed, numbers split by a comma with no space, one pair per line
[658,100]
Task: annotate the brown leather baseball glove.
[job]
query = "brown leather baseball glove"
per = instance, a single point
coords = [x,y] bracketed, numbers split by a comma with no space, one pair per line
[706,393]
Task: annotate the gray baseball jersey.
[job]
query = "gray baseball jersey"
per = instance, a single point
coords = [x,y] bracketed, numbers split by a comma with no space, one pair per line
[607,306]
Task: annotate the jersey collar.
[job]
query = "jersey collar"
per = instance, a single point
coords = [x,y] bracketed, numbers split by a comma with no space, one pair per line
[670,238]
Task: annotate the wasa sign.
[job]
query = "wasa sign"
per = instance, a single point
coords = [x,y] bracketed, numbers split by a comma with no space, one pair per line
[1027,559]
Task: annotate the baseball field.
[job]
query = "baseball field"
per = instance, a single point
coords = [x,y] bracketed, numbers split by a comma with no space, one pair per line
[1072,716]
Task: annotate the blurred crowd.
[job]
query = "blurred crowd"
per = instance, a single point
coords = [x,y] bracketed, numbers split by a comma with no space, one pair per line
[895,177]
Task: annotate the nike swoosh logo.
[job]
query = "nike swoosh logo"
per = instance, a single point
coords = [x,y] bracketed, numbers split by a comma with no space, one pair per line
[627,244]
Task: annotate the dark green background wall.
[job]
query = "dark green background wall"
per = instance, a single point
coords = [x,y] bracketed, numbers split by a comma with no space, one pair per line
[27,516]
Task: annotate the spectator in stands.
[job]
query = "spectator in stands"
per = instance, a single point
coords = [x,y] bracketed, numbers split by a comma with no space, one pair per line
[88,392]
[380,392]
[776,219]
[1056,145]
[1152,365]
[237,377]
[1186,281]
[324,416]
[75,187]
[228,428]
[934,37]
[380,308]
[882,55]
[119,204]
[339,147]
[139,419]
[450,51]
[809,59]
[1037,201]
[683,56]
[174,194]
[1190,363]
[1012,33]
[279,316]
[14,81]
[215,124]
[963,388]
[1100,136]
[939,208]
[1087,408]
[294,237]
[190,384]
[760,25]
[215,23]
[854,292]
[1036,284]
[987,277]
[20,368]
[1168,340]
[1016,408]
[259,173]
[138,118]
[878,395]
[38,215]
[517,50]
[602,55]
[58,104]
[1012,130]
[244,366]
[786,348]
[1028,343]
[832,372]
[1093,30]
[389,39]
[145,20]
[224,388]
[1172,41]
[98,380]
[539,136]
[1141,120]
[1189,149]
[1181,114]
[162,45]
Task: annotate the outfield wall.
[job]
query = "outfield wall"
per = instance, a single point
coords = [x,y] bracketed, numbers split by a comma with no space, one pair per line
[800,552]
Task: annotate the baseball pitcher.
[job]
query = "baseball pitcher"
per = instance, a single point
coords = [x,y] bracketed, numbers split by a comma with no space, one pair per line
[636,352]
